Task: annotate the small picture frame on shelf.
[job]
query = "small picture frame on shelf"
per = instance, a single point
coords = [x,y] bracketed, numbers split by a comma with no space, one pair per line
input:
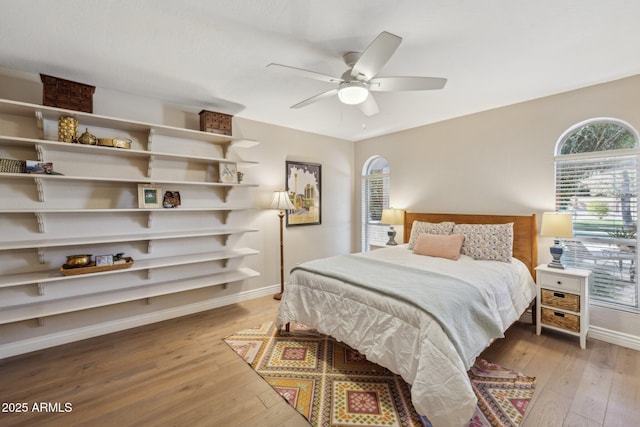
[228,172]
[35,166]
[171,199]
[149,196]
[102,260]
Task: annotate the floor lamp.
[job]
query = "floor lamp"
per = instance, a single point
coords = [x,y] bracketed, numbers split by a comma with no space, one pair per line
[281,202]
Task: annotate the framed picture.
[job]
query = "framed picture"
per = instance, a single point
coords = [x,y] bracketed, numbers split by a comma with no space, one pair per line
[149,196]
[303,182]
[104,260]
[171,199]
[34,166]
[228,172]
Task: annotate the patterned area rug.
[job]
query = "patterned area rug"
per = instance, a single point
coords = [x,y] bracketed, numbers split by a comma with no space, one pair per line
[333,385]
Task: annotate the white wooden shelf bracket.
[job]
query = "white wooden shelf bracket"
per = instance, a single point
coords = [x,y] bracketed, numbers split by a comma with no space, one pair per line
[41,291]
[225,216]
[40,122]
[40,256]
[40,187]
[225,148]
[150,149]
[226,191]
[39,152]
[40,217]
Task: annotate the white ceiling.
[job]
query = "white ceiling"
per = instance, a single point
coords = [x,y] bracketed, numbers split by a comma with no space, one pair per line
[212,53]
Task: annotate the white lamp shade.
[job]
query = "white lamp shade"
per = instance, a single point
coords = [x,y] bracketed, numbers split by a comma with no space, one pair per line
[392,216]
[281,201]
[558,225]
[352,93]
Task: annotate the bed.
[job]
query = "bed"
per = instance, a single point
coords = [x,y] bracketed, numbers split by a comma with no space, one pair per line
[423,317]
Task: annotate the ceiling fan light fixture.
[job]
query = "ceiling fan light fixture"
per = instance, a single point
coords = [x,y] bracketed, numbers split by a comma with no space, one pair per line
[352,93]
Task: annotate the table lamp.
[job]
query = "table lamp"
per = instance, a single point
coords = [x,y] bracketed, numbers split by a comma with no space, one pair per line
[392,217]
[559,226]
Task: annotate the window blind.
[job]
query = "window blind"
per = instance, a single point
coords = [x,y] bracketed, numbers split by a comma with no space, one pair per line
[601,194]
[375,197]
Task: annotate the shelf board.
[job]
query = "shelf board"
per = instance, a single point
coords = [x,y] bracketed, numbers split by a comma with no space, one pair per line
[42,306]
[50,276]
[96,149]
[142,180]
[122,210]
[88,119]
[92,240]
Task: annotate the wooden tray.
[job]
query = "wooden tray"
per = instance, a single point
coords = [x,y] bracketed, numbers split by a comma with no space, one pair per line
[92,268]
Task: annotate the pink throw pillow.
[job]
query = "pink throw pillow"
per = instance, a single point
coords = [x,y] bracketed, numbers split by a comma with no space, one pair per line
[439,245]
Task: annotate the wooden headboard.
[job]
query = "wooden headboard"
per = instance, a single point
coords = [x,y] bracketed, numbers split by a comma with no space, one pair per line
[525,231]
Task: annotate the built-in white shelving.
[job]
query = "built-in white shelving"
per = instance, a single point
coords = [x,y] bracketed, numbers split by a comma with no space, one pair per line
[175,252]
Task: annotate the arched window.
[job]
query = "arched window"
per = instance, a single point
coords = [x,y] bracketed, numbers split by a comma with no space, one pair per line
[375,197]
[596,168]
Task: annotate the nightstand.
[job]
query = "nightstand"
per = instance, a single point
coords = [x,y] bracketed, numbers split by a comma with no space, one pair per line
[563,301]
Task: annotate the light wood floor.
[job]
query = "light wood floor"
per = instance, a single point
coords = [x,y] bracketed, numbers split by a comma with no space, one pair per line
[180,373]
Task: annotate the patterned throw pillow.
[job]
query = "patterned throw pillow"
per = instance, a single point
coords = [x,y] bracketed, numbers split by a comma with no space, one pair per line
[418,228]
[487,241]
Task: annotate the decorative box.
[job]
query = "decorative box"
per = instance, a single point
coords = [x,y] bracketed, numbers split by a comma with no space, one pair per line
[63,93]
[210,121]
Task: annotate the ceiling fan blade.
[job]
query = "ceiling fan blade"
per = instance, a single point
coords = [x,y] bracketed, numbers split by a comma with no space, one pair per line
[315,98]
[369,107]
[398,84]
[376,55]
[306,73]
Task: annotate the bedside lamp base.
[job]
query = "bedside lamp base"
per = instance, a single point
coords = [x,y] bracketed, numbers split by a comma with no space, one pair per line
[392,237]
[556,252]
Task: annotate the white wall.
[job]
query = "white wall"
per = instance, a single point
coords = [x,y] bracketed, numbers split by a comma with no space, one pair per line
[499,161]
[301,243]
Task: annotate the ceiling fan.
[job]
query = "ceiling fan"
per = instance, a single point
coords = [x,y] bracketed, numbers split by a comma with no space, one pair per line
[355,85]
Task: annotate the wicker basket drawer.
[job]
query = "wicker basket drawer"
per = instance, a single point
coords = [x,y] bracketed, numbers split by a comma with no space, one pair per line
[561,300]
[567,321]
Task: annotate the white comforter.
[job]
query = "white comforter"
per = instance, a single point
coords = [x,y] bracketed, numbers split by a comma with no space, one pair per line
[403,338]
